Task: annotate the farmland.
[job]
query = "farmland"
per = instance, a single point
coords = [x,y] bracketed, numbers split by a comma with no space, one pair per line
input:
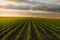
[29,28]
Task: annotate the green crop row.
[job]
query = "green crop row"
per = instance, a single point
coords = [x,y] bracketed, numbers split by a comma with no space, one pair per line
[44,29]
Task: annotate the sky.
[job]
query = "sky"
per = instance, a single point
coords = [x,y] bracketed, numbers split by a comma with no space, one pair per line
[43,7]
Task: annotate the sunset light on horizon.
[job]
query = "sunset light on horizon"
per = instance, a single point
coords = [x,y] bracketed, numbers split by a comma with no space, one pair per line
[29,19]
[49,8]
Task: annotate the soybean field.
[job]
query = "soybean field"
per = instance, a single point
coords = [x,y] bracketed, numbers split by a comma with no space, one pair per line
[29,28]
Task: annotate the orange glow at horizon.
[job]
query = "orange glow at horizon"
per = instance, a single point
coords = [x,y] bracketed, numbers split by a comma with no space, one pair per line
[24,13]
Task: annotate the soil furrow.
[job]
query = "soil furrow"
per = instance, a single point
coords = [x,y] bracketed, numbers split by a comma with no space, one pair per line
[24,34]
[6,33]
[49,33]
[17,31]
[34,36]
[41,32]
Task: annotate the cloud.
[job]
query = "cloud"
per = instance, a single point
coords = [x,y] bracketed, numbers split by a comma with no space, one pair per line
[29,5]
[31,1]
[40,13]
[56,0]
[11,0]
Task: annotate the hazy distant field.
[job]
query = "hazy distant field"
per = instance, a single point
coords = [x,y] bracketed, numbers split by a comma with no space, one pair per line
[29,28]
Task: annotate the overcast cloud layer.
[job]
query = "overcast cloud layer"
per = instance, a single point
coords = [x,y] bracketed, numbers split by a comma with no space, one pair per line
[44,5]
[51,5]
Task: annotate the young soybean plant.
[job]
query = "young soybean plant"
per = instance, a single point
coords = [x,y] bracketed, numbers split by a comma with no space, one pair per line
[11,33]
[29,31]
[37,32]
[18,37]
